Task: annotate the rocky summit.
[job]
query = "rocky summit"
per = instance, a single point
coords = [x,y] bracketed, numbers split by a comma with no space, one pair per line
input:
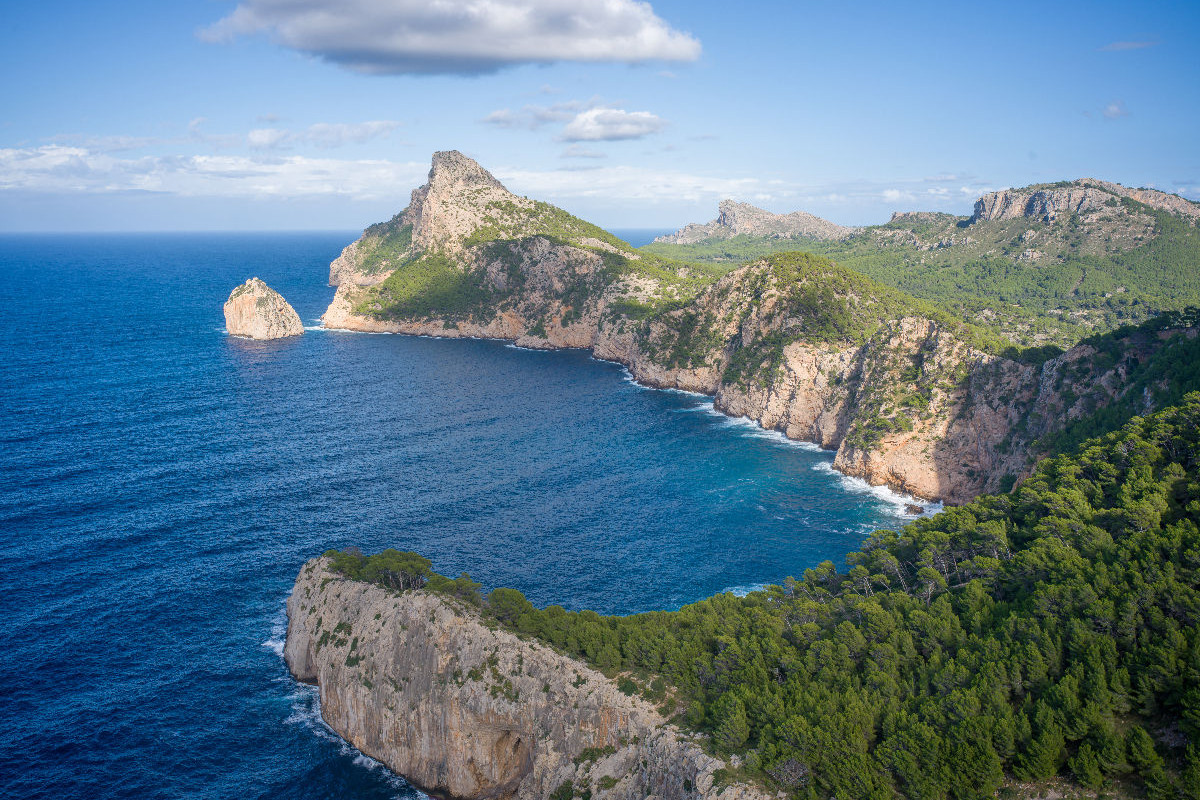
[743,219]
[257,311]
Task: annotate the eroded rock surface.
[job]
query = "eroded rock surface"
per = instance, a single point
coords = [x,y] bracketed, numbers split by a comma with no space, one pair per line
[257,311]
[736,219]
[469,711]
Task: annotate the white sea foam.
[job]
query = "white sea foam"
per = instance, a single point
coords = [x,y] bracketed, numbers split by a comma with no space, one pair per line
[305,710]
[896,499]
[742,591]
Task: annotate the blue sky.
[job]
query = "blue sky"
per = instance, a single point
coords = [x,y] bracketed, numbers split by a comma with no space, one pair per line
[293,114]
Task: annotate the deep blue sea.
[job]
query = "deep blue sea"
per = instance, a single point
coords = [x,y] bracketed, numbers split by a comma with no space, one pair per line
[161,484]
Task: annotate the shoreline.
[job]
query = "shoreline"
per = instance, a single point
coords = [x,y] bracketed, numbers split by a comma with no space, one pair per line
[897,497]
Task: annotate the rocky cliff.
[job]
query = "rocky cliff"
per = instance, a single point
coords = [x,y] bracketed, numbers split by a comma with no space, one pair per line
[1086,196]
[465,710]
[906,395]
[738,219]
[257,311]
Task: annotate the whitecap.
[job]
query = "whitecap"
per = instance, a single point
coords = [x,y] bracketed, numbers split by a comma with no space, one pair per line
[897,500]
[742,591]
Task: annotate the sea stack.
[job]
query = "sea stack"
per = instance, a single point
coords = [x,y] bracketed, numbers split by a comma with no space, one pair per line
[257,311]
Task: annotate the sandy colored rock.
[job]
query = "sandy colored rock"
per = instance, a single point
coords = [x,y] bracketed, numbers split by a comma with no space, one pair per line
[257,311]
[459,708]
[737,219]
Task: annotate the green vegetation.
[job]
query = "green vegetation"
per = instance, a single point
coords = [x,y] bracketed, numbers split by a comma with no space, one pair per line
[808,298]
[1093,275]
[385,246]
[428,286]
[1171,370]
[1053,631]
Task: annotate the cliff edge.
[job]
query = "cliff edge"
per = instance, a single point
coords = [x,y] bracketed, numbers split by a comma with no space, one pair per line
[465,710]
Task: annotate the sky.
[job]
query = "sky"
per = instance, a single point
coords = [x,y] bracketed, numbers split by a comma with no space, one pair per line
[146,115]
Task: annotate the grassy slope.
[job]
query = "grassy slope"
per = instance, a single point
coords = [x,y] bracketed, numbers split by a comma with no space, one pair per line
[434,284]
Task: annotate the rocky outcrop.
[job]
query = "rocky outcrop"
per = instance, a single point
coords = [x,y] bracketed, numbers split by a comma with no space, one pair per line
[257,311]
[736,219]
[466,710]
[1086,196]
[459,198]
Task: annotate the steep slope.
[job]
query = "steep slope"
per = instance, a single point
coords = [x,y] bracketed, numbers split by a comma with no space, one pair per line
[418,681]
[1047,264]
[468,257]
[906,393]
[742,219]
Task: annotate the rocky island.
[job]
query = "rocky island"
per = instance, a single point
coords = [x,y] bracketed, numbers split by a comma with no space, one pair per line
[257,311]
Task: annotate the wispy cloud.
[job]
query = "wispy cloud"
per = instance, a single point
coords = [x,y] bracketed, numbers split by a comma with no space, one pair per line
[1114,110]
[472,37]
[1116,47]
[532,117]
[77,170]
[611,124]
[579,151]
[584,177]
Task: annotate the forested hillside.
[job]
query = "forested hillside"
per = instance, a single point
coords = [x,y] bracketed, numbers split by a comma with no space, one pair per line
[1048,634]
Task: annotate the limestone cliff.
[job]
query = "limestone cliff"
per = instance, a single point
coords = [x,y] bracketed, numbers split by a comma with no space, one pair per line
[743,219]
[466,710]
[257,311]
[906,395]
[1087,196]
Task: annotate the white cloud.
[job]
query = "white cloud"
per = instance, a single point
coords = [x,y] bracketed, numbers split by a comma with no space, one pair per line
[58,169]
[626,183]
[532,117]
[897,196]
[611,124]
[266,137]
[465,37]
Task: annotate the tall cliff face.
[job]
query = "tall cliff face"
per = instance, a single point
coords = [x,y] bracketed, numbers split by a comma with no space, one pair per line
[468,711]
[738,219]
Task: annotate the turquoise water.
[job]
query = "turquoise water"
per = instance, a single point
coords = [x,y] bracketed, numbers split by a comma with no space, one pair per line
[161,483]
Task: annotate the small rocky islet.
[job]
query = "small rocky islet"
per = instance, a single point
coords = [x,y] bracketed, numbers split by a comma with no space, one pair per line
[256,311]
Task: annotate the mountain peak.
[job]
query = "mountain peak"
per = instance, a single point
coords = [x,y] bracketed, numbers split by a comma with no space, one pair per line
[451,168]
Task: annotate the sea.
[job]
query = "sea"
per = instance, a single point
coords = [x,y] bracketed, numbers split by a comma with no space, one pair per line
[161,484]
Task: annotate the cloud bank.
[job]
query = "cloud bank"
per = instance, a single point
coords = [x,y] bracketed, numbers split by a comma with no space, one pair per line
[391,37]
